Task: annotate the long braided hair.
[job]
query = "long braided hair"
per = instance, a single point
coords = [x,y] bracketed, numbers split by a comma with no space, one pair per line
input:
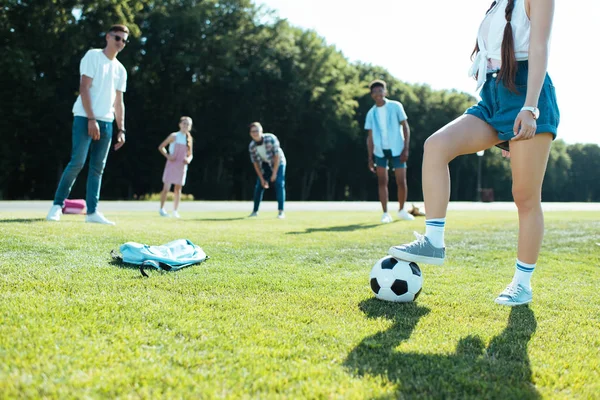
[508,69]
[189,138]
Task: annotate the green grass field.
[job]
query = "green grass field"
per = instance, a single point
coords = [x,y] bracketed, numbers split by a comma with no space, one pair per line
[283,309]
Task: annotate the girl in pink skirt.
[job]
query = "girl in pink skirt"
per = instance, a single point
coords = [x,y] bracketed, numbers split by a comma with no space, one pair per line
[178,157]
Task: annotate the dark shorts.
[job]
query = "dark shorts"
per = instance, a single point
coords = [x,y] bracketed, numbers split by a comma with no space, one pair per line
[387,157]
[499,106]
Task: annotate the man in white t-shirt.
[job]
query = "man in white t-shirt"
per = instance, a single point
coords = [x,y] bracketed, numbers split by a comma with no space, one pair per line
[103,82]
[387,141]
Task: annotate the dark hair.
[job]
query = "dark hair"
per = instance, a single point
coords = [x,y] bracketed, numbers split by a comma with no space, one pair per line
[119,28]
[508,69]
[377,83]
[255,125]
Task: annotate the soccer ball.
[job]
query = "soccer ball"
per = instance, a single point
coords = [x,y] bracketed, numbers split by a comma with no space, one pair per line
[396,280]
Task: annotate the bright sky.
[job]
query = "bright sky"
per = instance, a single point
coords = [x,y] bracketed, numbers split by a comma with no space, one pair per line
[430,41]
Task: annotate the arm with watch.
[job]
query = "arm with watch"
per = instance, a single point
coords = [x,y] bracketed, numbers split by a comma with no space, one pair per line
[526,122]
[120,117]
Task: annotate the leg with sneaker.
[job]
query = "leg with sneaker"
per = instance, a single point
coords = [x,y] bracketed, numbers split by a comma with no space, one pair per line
[79,150]
[382,184]
[528,159]
[280,191]
[400,172]
[176,199]
[259,190]
[163,199]
[98,155]
[465,135]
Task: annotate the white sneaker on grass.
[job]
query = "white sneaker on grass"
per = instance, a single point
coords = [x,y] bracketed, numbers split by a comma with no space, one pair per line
[515,294]
[281,215]
[253,214]
[176,214]
[98,218]
[386,218]
[404,215]
[163,212]
[54,213]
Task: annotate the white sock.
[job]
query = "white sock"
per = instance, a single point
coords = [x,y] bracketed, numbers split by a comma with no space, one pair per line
[434,231]
[523,272]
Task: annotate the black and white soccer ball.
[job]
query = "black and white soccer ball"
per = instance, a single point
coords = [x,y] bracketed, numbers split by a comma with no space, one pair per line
[396,280]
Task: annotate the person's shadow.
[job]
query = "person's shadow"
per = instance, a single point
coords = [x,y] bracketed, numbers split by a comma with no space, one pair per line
[343,228]
[21,220]
[500,371]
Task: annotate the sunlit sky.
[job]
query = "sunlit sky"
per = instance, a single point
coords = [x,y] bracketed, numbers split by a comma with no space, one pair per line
[430,42]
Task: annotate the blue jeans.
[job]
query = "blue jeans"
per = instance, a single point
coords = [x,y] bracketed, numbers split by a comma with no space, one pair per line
[98,149]
[279,186]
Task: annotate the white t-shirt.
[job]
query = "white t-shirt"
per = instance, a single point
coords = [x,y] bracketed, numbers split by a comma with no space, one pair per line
[262,151]
[382,117]
[108,76]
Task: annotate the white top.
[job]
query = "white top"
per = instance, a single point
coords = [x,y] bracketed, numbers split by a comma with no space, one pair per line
[180,138]
[491,32]
[261,149]
[108,76]
[382,115]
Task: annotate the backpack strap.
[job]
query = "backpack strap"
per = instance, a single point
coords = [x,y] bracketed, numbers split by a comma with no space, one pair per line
[162,266]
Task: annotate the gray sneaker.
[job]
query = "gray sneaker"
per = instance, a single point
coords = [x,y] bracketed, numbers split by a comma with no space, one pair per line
[419,251]
[515,295]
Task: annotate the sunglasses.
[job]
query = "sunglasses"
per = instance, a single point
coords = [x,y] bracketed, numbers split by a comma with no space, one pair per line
[119,38]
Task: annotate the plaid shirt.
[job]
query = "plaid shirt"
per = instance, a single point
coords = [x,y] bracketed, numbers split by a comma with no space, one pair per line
[272,147]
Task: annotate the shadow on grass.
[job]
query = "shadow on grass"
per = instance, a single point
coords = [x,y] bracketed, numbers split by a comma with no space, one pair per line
[115,262]
[502,370]
[343,228]
[22,220]
[215,219]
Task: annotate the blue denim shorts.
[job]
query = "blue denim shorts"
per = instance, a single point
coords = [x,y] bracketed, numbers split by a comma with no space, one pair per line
[499,106]
[387,157]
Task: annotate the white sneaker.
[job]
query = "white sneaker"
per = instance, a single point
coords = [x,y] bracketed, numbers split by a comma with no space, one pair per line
[98,218]
[404,215]
[54,213]
[386,218]
[281,215]
[163,212]
[176,214]
[254,214]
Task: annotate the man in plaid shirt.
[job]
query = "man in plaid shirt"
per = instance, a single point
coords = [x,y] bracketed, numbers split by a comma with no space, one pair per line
[269,163]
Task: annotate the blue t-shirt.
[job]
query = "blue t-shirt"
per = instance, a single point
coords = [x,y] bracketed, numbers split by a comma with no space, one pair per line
[395,137]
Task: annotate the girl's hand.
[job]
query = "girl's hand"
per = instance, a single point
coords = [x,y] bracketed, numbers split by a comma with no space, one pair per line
[264,184]
[525,126]
[170,157]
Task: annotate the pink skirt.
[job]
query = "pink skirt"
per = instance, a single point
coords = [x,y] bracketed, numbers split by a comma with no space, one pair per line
[176,171]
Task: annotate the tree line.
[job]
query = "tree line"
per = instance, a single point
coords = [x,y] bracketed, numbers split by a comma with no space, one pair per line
[225,64]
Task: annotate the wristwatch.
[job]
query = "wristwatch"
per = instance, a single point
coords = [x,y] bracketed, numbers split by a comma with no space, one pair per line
[534,110]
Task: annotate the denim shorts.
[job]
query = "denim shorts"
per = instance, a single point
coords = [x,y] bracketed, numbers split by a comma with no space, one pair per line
[387,156]
[499,106]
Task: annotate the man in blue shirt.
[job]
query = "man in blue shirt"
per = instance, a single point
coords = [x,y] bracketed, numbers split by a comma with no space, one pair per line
[387,143]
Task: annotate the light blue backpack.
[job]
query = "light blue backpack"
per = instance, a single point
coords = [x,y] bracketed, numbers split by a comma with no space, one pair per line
[172,256]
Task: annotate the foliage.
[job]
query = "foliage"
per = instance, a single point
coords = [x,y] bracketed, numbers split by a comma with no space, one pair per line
[224,63]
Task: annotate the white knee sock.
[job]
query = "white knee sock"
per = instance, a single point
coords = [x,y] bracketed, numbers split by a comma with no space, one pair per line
[523,272]
[434,231]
